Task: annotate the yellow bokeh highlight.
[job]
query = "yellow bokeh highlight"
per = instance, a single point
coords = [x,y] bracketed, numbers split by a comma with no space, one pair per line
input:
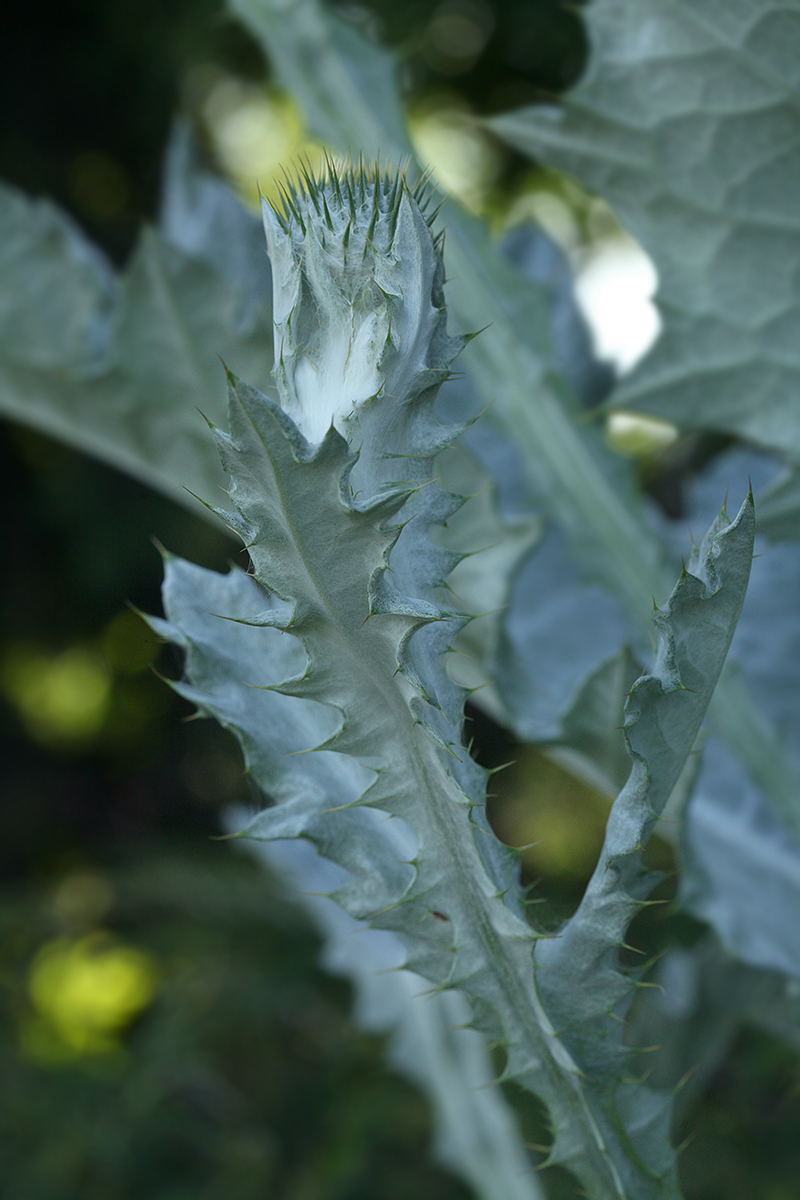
[257,132]
[85,991]
[459,155]
[61,698]
[557,818]
[81,901]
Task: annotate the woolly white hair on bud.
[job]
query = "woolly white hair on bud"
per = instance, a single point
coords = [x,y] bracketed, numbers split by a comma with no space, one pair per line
[358,305]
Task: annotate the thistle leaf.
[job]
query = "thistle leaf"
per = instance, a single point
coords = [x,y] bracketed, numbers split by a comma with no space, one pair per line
[741,866]
[582,986]
[476,1134]
[740,855]
[684,123]
[388,791]
[98,359]
[399,870]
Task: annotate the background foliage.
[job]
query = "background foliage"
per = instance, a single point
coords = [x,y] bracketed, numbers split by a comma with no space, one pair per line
[243,1071]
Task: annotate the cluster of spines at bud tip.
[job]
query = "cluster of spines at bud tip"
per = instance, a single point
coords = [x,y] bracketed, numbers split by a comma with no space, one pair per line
[355,187]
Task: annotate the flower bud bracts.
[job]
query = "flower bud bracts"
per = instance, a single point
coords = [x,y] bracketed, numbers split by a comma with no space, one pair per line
[358,301]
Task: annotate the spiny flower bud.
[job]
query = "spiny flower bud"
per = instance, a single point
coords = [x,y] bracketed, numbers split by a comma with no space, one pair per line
[358,306]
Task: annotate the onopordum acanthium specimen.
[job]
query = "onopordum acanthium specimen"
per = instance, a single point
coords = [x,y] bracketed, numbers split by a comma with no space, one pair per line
[329,668]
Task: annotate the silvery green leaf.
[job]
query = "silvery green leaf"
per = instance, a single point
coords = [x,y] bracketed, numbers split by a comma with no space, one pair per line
[589,742]
[385,788]
[583,989]
[543,262]
[766,646]
[765,639]
[202,216]
[741,854]
[476,1134]
[684,122]
[558,630]
[222,658]
[273,721]
[118,365]
[741,866]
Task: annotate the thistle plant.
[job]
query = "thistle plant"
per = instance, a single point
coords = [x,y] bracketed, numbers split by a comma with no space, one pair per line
[330,659]
[329,668]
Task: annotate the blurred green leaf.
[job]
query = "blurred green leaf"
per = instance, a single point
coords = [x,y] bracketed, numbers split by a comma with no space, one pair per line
[685,123]
[119,365]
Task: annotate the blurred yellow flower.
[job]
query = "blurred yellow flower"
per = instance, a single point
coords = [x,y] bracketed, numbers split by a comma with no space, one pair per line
[61,699]
[85,991]
[256,132]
